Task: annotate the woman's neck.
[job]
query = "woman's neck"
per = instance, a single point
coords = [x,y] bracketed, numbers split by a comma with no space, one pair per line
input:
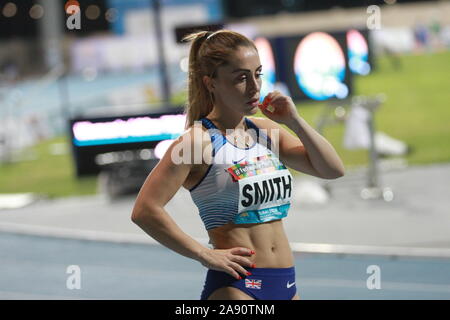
[228,120]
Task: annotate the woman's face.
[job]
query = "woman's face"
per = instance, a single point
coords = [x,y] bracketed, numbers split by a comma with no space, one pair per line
[238,83]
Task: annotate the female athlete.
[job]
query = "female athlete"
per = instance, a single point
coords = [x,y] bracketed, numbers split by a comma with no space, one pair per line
[235,167]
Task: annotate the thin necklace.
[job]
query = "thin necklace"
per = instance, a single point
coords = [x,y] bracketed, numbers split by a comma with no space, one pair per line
[245,138]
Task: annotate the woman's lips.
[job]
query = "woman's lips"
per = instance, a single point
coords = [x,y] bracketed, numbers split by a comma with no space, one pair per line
[253,103]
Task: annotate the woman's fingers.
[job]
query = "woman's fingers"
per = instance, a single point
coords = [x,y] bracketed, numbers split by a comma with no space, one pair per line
[240,269]
[231,261]
[232,273]
[266,101]
[243,261]
[242,251]
[240,254]
[267,104]
[239,260]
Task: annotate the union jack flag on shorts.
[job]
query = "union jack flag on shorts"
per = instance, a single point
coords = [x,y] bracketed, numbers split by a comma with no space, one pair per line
[253,284]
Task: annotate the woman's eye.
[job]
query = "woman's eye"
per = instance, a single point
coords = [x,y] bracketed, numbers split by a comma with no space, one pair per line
[258,75]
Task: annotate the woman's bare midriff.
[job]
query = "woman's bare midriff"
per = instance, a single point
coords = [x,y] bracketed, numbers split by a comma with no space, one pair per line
[268,240]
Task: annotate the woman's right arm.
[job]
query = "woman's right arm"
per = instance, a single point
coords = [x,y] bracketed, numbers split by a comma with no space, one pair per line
[149,214]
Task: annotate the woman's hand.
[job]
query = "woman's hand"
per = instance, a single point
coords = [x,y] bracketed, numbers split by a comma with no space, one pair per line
[231,261]
[279,107]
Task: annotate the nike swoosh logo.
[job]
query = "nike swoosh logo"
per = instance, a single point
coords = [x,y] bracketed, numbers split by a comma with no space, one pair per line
[288,285]
[238,160]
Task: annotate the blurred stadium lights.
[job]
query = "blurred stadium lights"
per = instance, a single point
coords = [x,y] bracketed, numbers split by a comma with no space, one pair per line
[15,19]
[111,15]
[240,9]
[36,11]
[93,12]
[9,10]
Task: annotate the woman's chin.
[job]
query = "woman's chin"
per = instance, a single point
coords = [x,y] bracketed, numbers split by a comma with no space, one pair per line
[251,111]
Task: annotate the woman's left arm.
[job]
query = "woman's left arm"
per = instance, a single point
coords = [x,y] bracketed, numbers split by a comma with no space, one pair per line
[310,152]
[320,152]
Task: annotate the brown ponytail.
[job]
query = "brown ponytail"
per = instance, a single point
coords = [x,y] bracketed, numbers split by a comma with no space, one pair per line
[209,50]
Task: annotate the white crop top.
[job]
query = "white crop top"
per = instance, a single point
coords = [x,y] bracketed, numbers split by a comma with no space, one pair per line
[242,185]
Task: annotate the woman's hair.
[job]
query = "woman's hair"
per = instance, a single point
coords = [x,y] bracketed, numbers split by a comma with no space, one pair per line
[209,50]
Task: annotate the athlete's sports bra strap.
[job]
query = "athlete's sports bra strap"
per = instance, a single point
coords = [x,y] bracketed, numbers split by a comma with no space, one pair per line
[251,125]
[217,139]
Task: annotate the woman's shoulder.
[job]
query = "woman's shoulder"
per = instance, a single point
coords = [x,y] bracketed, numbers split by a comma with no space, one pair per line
[188,148]
[264,123]
[197,139]
[271,128]
[195,135]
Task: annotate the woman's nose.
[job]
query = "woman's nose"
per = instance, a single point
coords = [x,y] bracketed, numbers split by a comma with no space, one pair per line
[253,86]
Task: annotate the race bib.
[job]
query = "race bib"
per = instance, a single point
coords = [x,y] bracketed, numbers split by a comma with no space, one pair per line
[265,189]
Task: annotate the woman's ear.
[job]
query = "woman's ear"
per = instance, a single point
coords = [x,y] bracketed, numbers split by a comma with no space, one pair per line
[209,83]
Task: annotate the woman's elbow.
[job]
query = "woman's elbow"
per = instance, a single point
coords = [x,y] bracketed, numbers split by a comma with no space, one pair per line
[140,211]
[338,173]
[136,216]
[336,176]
